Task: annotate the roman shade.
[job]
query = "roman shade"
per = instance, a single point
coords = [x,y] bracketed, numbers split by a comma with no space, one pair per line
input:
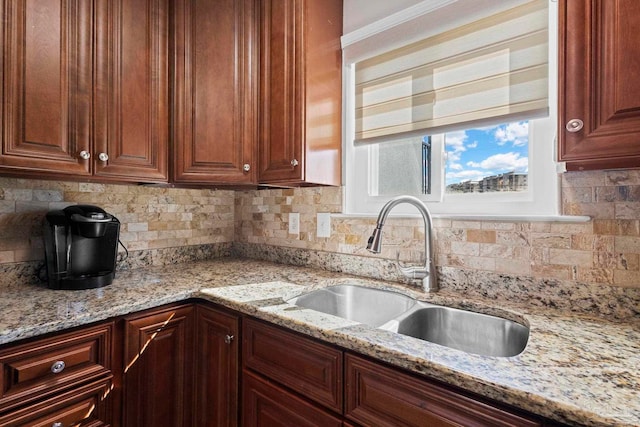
[493,70]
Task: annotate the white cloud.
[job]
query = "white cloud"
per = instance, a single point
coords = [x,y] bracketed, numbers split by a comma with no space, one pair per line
[455,141]
[474,144]
[503,161]
[516,133]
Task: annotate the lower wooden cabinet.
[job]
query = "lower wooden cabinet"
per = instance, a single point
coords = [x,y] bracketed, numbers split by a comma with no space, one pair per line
[179,365]
[65,378]
[83,406]
[266,404]
[217,374]
[382,396]
[158,368]
[45,367]
[306,366]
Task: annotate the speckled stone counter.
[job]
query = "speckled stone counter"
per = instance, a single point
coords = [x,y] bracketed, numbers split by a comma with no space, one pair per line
[578,370]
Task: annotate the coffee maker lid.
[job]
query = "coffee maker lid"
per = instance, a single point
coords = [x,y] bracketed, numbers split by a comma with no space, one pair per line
[87,213]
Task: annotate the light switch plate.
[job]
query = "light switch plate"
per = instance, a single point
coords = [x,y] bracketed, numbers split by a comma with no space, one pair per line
[294,223]
[323,225]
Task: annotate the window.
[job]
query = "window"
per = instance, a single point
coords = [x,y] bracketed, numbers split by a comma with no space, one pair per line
[464,119]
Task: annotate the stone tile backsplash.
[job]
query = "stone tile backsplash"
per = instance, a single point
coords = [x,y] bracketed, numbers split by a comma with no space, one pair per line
[151,217]
[169,224]
[604,251]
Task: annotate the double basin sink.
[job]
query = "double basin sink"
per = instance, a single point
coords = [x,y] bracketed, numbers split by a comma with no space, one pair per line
[392,311]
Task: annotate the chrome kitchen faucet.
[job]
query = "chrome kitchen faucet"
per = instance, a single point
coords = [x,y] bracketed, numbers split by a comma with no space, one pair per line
[427,273]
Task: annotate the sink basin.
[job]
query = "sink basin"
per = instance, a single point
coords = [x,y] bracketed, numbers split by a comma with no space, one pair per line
[450,327]
[465,330]
[370,306]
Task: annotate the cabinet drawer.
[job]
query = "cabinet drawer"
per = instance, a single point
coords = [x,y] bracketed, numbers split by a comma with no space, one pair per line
[266,404]
[39,368]
[382,396]
[305,366]
[83,406]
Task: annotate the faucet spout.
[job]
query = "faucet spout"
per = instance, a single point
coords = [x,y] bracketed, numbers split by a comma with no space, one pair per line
[427,273]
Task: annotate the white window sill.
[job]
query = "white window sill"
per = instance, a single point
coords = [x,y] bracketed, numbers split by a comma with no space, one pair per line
[498,218]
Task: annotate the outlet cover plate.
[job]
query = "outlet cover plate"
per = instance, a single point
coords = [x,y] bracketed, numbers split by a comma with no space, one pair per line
[324,225]
[294,223]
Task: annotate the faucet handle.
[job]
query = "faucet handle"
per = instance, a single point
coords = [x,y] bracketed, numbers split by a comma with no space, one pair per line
[413,272]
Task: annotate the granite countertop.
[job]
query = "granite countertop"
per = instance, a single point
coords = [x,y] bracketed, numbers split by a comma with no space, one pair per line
[575,369]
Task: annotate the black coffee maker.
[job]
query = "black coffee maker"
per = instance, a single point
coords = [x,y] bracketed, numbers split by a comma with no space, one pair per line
[81,247]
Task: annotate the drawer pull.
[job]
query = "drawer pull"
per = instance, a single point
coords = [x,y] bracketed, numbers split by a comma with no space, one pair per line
[58,424]
[228,339]
[58,367]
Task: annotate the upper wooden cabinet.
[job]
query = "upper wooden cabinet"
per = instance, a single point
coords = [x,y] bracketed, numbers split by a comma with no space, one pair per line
[131,103]
[300,112]
[85,88]
[599,108]
[214,92]
[46,73]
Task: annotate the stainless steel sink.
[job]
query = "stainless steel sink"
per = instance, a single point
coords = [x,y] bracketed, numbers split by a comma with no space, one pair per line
[454,328]
[464,330]
[370,306]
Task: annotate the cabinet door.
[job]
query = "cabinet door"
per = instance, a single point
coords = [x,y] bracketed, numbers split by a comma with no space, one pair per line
[214,120]
[46,77]
[265,404]
[308,367]
[300,133]
[281,91]
[216,352]
[132,90]
[158,368]
[381,396]
[599,57]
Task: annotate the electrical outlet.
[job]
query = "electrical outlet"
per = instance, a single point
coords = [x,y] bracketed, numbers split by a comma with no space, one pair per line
[324,225]
[294,223]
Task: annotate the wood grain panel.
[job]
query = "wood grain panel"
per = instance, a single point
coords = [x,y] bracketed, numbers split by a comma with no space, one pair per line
[265,404]
[158,379]
[310,368]
[300,92]
[83,406]
[599,48]
[46,94]
[214,120]
[282,89]
[25,370]
[132,89]
[381,396]
[216,395]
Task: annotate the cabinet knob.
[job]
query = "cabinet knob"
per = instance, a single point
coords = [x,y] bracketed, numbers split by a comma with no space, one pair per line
[103,157]
[294,162]
[57,367]
[246,167]
[228,339]
[58,424]
[574,125]
[85,155]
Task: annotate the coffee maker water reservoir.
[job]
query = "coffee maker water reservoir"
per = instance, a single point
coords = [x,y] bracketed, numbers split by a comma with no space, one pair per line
[81,247]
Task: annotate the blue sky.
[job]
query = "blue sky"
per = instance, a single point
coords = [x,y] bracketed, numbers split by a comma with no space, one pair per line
[475,153]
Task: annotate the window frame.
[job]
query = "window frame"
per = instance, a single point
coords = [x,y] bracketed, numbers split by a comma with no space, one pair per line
[542,197]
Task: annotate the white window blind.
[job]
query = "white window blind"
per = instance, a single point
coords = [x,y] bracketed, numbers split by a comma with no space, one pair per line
[491,70]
